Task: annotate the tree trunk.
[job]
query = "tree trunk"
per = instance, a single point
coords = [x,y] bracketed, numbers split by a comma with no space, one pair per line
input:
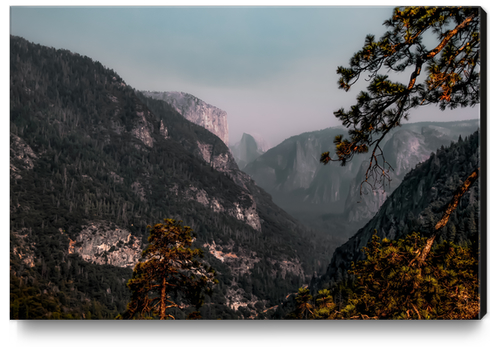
[445,218]
[163,299]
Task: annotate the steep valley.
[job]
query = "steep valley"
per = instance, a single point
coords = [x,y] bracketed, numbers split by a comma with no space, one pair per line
[328,198]
[418,203]
[93,162]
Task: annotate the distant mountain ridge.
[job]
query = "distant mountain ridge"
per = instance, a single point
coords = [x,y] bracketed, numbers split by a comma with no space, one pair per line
[324,196]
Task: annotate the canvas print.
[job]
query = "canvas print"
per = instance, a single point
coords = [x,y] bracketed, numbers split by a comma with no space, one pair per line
[247,163]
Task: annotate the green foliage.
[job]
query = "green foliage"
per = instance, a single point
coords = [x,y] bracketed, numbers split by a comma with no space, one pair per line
[77,116]
[453,76]
[418,203]
[389,284]
[72,289]
[321,306]
[303,305]
[169,271]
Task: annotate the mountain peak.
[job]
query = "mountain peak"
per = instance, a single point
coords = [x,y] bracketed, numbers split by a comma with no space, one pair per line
[248,149]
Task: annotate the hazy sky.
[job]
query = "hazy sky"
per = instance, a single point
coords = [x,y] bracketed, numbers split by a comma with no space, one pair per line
[272,69]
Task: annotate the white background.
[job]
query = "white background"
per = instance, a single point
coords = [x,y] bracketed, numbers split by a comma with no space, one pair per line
[215,333]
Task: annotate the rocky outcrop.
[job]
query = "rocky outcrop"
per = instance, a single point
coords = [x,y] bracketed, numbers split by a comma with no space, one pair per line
[244,208]
[22,157]
[143,129]
[163,130]
[104,243]
[205,151]
[22,247]
[240,262]
[245,213]
[197,111]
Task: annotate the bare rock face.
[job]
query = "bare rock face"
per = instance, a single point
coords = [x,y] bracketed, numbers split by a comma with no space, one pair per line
[240,262]
[247,214]
[104,243]
[197,111]
[248,149]
[244,208]
[22,247]
[164,130]
[21,156]
[292,173]
[142,129]
[363,202]
[403,152]
[221,161]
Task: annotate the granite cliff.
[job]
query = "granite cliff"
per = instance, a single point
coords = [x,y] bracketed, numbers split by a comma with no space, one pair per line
[329,197]
[248,149]
[197,111]
[403,150]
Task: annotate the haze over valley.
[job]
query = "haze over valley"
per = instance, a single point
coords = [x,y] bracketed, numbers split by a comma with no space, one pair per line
[195,168]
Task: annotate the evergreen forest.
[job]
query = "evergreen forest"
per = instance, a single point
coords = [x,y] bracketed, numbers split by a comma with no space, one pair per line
[93,159]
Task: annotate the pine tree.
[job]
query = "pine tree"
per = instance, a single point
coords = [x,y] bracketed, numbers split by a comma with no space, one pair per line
[453,78]
[169,272]
[325,307]
[390,285]
[303,304]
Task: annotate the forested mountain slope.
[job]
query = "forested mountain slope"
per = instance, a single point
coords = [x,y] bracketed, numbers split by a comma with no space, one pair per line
[93,162]
[418,203]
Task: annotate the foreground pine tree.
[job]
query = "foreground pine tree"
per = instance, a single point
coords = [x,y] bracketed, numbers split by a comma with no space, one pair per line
[169,272]
[409,278]
[452,62]
[391,285]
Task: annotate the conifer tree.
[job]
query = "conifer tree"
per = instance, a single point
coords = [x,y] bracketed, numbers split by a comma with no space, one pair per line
[325,307]
[304,308]
[452,78]
[169,271]
[390,285]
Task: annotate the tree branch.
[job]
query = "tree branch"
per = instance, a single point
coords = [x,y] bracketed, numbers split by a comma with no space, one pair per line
[453,204]
[449,36]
